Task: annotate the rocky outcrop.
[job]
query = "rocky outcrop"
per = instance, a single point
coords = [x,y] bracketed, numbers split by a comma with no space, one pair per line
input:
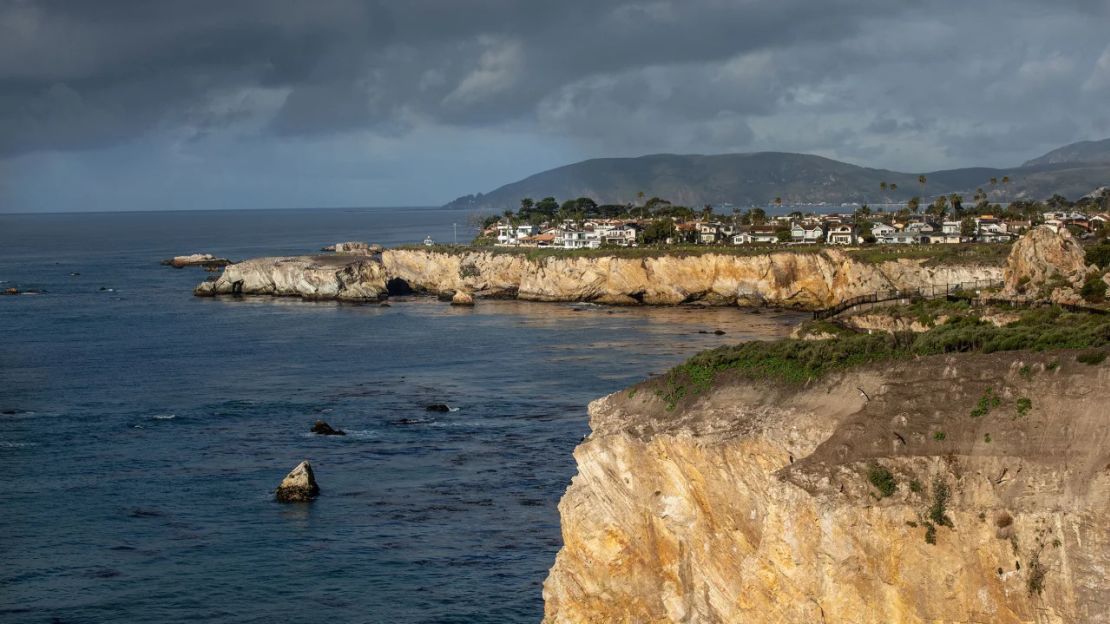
[203,260]
[321,427]
[355,247]
[346,278]
[794,279]
[799,279]
[462,298]
[299,486]
[1043,262]
[761,503]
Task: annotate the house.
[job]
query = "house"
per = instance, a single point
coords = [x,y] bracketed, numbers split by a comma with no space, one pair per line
[547,239]
[623,234]
[842,234]
[756,234]
[900,237]
[573,237]
[951,227]
[880,229]
[709,233]
[806,232]
[509,234]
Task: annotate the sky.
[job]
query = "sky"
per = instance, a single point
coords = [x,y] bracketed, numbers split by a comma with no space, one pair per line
[217,104]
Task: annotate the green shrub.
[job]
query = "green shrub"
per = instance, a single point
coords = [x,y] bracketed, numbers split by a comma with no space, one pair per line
[1035,582]
[987,438]
[930,533]
[1099,255]
[939,435]
[1094,289]
[882,479]
[986,403]
[915,486]
[1024,404]
[939,509]
[1091,356]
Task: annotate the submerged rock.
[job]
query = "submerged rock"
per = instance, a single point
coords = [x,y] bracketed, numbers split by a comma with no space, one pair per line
[298,486]
[462,298]
[323,428]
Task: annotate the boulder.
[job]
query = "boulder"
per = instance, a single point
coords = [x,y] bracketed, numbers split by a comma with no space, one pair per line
[461,298]
[299,486]
[1044,257]
[11,291]
[323,428]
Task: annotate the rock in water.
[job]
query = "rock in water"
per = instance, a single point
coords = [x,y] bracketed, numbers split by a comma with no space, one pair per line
[203,260]
[299,486]
[323,428]
[438,407]
[462,298]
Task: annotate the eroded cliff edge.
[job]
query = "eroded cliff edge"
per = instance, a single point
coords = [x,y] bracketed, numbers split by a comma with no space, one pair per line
[755,502]
[800,279]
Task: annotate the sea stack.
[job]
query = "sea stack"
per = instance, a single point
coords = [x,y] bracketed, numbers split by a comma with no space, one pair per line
[299,486]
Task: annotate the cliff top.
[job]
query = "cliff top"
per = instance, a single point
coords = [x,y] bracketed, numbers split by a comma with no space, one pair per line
[969,254]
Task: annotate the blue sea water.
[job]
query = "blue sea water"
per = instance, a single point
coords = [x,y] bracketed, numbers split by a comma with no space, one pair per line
[142,430]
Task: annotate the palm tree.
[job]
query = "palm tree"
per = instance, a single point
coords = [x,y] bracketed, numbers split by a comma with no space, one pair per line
[921,180]
[1005,183]
[882,185]
[893,187]
[778,202]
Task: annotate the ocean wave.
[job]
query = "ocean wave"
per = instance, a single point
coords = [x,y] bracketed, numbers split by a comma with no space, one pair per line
[164,416]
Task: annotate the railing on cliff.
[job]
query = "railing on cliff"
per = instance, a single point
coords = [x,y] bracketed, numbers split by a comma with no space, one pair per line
[961,290]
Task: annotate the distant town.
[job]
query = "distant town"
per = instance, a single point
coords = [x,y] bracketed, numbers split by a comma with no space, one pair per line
[583,224]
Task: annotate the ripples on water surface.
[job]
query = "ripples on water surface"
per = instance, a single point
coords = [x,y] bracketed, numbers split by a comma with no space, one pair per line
[143,430]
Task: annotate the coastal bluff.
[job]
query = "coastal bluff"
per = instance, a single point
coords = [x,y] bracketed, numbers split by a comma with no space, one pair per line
[803,279]
[759,502]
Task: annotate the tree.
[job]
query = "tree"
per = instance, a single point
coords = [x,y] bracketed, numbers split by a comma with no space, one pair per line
[967,227]
[757,216]
[659,230]
[862,214]
[914,204]
[893,187]
[939,207]
[921,180]
[957,204]
[778,202]
[882,186]
[547,206]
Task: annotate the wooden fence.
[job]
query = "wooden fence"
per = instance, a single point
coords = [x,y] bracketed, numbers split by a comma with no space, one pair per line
[961,290]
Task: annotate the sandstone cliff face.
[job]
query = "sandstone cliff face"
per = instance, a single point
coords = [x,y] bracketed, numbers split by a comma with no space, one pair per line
[753,504]
[349,278]
[1043,258]
[796,279]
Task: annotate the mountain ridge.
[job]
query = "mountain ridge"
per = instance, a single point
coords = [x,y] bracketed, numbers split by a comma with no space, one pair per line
[757,178]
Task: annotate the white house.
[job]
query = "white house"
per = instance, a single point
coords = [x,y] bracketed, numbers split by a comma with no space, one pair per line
[806,233]
[756,234]
[508,234]
[842,234]
[570,237]
[880,229]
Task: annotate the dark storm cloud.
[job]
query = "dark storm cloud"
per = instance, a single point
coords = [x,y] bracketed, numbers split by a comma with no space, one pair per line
[955,79]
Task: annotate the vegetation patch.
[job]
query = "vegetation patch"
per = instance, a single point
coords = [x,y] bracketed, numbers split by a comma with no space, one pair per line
[1091,356]
[1037,572]
[799,361]
[1024,404]
[938,511]
[883,479]
[1093,289]
[988,254]
[939,436]
[986,403]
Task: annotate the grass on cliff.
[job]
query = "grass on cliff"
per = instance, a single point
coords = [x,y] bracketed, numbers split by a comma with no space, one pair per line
[799,361]
[978,254]
[972,254]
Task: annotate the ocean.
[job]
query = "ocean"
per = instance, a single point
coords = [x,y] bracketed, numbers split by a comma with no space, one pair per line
[143,430]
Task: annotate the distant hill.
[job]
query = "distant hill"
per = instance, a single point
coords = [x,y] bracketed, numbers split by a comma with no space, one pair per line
[1081,152]
[756,179]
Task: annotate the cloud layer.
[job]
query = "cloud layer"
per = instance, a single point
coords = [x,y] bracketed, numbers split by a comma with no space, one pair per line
[405,101]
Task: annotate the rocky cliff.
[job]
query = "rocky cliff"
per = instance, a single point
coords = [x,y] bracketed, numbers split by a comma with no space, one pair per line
[877,496]
[342,277]
[803,279]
